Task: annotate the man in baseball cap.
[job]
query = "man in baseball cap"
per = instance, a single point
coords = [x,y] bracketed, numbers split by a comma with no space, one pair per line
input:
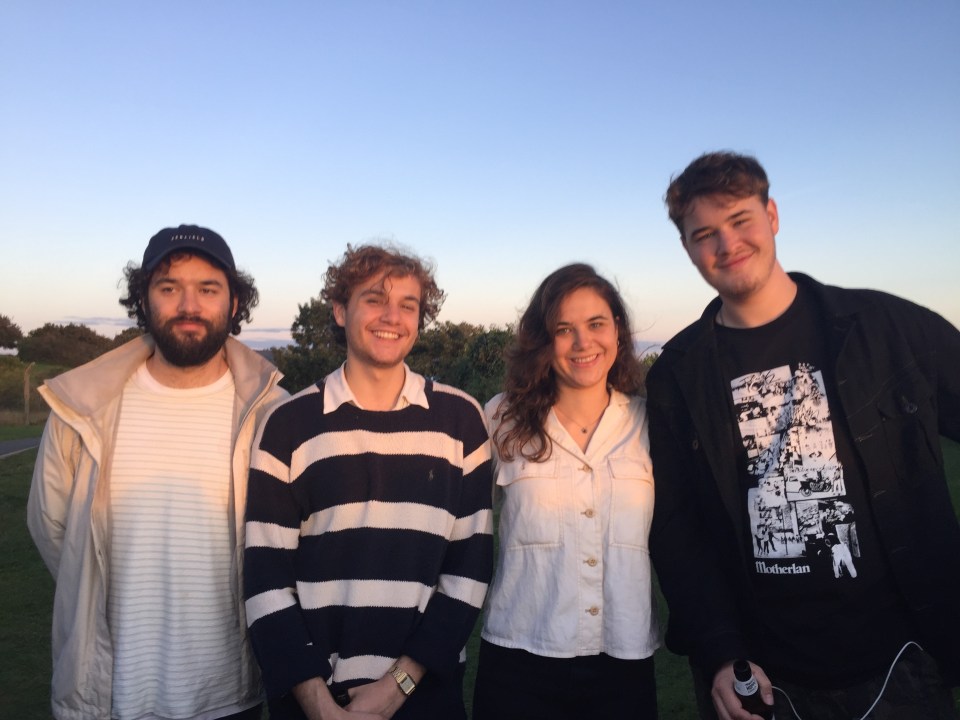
[138,494]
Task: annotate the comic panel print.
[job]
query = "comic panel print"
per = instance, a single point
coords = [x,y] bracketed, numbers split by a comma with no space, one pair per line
[798,507]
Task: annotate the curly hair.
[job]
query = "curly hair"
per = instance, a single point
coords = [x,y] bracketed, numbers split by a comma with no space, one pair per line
[242,289]
[531,384]
[715,173]
[360,263]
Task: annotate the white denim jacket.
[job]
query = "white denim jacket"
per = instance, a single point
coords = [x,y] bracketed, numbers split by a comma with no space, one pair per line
[573,573]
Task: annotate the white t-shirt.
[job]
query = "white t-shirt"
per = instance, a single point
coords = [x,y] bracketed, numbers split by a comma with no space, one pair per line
[171,610]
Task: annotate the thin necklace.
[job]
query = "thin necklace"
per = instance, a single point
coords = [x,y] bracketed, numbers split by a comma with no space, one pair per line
[583,428]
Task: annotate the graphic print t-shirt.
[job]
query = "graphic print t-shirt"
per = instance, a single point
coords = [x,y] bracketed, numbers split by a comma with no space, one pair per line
[829,612]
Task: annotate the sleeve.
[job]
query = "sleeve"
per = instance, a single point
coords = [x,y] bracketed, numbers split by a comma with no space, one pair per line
[948,377]
[703,619]
[467,567]
[53,479]
[282,643]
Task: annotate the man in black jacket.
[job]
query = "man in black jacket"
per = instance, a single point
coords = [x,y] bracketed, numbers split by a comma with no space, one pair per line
[802,516]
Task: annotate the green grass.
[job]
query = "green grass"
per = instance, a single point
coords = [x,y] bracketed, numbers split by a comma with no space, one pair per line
[25,602]
[18,432]
[25,606]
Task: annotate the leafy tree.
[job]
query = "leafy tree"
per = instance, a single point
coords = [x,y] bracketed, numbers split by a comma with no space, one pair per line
[10,333]
[316,352]
[460,354]
[64,345]
[480,370]
[440,348]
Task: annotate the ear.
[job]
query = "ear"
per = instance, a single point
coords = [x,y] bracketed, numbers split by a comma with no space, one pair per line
[773,216]
[236,304]
[340,314]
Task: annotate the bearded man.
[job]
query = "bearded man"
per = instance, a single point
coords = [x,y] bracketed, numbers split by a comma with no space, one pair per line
[138,495]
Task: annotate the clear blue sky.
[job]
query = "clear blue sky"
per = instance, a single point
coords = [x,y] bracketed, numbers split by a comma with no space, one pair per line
[501,139]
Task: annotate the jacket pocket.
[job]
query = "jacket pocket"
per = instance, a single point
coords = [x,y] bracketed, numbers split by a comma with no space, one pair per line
[909,422]
[631,500]
[531,512]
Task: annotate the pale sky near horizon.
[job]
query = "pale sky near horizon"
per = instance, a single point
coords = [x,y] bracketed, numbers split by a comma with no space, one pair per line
[501,139]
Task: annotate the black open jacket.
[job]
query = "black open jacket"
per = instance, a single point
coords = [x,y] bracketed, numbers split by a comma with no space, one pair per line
[897,369]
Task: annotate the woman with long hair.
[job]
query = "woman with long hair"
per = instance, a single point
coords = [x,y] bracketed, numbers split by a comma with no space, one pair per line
[570,627]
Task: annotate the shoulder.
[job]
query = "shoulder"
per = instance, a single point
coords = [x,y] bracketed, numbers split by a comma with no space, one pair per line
[286,407]
[452,398]
[633,407]
[493,408]
[635,404]
[869,305]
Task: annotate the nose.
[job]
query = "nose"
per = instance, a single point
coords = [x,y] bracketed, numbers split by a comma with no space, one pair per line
[727,239]
[391,312]
[189,302]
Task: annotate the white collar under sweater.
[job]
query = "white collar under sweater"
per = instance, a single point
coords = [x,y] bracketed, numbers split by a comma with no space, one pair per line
[336,391]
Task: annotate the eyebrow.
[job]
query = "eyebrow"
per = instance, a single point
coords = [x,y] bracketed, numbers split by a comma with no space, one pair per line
[160,279]
[736,216]
[589,319]
[381,292]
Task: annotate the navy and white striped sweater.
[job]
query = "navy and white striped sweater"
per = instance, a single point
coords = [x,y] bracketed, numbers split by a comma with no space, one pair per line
[368,536]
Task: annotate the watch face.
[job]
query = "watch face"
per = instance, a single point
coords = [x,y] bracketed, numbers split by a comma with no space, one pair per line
[406,683]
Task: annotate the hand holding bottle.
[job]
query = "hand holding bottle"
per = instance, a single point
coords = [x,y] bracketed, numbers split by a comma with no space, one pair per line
[730,706]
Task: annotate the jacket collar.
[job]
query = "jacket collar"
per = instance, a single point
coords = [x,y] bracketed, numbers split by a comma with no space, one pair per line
[838,306]
[90,387]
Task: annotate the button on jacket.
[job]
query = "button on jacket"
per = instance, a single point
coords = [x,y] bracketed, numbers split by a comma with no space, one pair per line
[573,572]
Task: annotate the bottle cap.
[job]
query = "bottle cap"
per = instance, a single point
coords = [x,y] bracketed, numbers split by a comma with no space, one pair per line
[741,670]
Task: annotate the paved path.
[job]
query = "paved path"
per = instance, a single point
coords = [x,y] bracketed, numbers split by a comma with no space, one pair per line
[12,447]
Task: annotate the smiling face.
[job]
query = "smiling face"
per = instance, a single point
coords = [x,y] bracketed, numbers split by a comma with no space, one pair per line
[189,310]
[381,321]
[585,341]
[731,241]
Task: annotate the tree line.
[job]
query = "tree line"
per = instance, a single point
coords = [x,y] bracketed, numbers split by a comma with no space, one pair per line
[470,357]
[464,355]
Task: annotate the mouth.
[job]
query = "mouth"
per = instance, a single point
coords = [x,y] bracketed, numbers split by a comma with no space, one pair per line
[585,360]
[189,324]
[386,335]
[734,262]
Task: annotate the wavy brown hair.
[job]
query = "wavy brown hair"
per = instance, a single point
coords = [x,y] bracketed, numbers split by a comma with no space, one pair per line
[360,263]
[242,289]
[530,387]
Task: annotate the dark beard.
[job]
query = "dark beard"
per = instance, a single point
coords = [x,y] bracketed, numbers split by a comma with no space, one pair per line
[191,350]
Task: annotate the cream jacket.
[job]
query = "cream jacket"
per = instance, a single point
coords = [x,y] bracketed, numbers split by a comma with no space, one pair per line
[573,572]
[68,511]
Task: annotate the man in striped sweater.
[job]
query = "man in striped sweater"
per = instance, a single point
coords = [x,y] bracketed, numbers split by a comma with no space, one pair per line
[369,543]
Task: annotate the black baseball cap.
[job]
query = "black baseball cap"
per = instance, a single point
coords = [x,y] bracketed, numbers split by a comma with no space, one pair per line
[189,238]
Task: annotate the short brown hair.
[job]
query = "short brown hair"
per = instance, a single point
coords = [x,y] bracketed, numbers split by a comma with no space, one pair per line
[715,173]
[363,262]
